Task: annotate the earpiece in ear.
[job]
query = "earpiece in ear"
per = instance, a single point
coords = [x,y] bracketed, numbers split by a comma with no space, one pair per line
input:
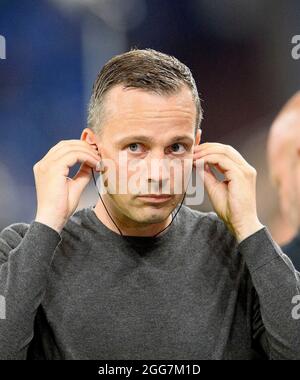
[95,146]
[100,166]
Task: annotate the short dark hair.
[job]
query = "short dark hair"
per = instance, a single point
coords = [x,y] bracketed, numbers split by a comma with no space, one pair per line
[146,69]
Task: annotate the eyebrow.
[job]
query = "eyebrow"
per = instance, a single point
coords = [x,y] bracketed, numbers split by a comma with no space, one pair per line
[142,138]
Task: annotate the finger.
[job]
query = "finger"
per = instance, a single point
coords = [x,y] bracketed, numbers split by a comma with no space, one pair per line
[81,179]
[217,166]
[222,163]
[225,157]
[70,159]
[75,144]
[196,148]
[217,148]
[65,144]
[60,153]
[196,153]
[211,181]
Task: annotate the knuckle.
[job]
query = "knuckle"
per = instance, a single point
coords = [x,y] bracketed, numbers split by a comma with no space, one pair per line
[62,142]
[229,148]
[41,166]
[252,171]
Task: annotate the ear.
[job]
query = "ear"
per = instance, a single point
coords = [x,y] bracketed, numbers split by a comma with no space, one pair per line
[198,136]
[91,138]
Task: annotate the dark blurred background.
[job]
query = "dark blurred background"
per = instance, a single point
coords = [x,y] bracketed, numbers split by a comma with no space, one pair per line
[238,50]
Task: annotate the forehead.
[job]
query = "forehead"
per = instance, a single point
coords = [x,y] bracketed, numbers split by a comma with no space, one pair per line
[138,105]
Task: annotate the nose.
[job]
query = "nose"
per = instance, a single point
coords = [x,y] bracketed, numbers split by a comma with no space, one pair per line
[158,171]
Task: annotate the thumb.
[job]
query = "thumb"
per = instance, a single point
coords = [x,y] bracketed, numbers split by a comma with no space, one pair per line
[210,180]
[81,179]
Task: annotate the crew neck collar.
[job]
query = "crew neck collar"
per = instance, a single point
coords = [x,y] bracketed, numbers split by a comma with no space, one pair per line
[165,235]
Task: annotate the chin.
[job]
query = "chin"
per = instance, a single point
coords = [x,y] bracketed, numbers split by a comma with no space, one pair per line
[153,216]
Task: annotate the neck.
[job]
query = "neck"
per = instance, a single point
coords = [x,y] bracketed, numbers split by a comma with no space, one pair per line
[126,225]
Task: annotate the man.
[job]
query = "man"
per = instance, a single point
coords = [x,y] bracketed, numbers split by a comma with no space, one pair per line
[120,280]
[283,154]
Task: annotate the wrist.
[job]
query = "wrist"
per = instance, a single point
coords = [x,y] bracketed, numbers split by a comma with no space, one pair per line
[50,223]
[247,229]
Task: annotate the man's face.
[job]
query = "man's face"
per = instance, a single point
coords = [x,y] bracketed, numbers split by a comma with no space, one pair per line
[285,174]
[148,127]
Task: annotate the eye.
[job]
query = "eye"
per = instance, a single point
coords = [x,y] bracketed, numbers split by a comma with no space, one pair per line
[135,148]
[177,148]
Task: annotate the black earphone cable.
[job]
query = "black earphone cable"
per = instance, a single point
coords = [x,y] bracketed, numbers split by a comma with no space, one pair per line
[104,204]
[108,213]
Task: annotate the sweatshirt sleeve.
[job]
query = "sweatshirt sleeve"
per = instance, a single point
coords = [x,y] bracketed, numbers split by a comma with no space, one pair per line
[277,285]
[26,253]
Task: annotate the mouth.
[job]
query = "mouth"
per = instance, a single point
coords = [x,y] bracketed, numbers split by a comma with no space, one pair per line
[155,198]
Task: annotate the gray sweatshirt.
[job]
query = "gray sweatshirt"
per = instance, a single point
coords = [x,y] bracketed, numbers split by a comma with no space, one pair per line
[191,293]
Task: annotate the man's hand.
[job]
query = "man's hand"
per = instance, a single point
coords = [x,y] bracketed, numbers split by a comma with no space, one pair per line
[57,194]
[233,199]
